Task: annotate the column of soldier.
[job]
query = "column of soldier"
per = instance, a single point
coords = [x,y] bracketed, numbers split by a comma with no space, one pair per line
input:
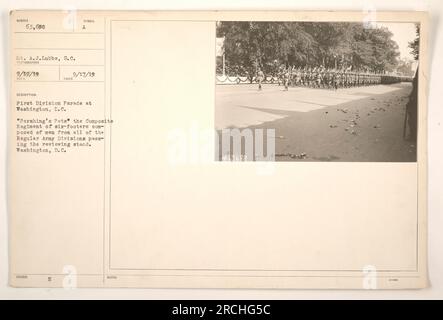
[320,77]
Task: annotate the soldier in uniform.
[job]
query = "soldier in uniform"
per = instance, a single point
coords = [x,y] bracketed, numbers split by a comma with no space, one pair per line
[304,77]
[260,78]
[298,77]
[330,80]
[335,79]
[286,78]
[340,78]
[348,79]
[352,79]
[293,75]
[319,77]
[280,74]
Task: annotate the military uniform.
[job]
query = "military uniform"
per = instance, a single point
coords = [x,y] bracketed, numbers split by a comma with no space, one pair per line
[260,78]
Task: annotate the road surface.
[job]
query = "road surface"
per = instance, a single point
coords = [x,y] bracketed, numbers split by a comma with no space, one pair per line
[354,124]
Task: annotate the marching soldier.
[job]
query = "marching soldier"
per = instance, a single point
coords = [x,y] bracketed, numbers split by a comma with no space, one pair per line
[260,78]
[321,77]
[298,77]
[286,77]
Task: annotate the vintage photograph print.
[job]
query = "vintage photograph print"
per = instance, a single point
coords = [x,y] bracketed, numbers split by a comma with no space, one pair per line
[316,91]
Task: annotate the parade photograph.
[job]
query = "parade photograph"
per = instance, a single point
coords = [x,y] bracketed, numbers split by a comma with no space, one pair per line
[322,91]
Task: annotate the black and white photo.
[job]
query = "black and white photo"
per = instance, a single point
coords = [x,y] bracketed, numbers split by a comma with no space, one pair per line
[317,91]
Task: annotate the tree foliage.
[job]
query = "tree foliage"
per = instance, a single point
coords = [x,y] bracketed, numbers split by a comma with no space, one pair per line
[249,45]
[405,68]
[415,44]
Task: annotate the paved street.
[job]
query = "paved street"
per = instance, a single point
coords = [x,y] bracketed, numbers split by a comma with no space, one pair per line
[355,124]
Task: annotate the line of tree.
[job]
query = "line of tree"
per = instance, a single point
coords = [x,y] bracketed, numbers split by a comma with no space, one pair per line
[268,45]
[415,44]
